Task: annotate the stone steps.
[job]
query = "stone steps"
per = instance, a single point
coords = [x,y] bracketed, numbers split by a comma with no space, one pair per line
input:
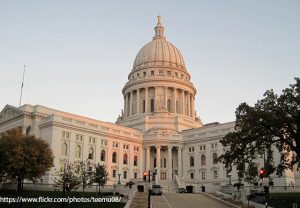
[140,200]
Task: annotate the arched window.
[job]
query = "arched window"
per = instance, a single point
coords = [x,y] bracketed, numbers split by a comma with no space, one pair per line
[91,154]
[78,152]
[144,106]
[192,161]
[135,160]
[125,159]
[102,157]
[152,105]
[203,160]
[169,105]
[215,158]
[163,163]
[114,157]
[154,162]
[64,149]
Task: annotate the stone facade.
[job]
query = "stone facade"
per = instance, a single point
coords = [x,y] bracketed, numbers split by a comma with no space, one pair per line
[157,131]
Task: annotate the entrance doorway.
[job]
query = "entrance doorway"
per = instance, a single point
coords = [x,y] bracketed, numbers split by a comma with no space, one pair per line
[189,189]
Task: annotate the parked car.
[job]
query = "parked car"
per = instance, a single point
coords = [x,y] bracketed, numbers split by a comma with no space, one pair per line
[181,190]
[156,190]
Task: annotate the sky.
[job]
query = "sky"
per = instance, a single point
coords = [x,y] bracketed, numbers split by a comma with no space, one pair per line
[79,53]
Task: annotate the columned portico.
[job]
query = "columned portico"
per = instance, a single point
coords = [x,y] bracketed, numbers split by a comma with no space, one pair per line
[179,161]
[170,162]
[158,161]
[147,158]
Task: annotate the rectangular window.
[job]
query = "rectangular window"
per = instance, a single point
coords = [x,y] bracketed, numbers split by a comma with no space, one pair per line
[215,174]
[144,74]
[125,174]
[114,173]
[135,174]
[203,175]
[192,175]
[152,73]
[66,134]
[176,74]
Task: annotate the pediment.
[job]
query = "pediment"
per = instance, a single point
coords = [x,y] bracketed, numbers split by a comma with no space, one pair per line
[10,112]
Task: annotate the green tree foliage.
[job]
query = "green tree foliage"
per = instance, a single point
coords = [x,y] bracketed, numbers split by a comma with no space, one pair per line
[85,174]
[273,122]
[67,178]
[251,173]
[100,176]
[23,156]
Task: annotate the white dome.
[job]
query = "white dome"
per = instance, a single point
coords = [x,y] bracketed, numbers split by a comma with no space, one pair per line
[159,53]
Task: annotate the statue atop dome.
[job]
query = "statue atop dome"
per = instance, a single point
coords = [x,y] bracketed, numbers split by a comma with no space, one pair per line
[158,20]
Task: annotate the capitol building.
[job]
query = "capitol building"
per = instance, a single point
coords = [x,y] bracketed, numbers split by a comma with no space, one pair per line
[158,129]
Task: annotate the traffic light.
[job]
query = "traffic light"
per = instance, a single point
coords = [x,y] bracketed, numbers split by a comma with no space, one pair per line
[145,176]
[262,173]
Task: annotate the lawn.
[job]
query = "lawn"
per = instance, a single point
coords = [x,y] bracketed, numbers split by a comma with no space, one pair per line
[57,194]
[284,200]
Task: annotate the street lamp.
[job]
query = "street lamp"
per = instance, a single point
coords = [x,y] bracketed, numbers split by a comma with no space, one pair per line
[119,182]
[229,176]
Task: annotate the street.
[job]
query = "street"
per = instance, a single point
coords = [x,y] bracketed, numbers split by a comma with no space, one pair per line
[179,200]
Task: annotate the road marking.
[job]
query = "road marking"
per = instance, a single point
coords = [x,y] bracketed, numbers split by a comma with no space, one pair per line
[166,201]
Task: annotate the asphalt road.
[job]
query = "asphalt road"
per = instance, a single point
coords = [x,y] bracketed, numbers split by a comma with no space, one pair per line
[184,200]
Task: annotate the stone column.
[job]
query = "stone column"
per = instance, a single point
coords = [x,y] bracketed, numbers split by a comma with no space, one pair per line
[137,101]
[166,98]
[130,103]
[126,109]
[147,158]
[193,106]
[170,170]
[182,102]
[179,161]
[174,100]
[146,100]
[158,162]
[124,105]
[188,104]
[155,98]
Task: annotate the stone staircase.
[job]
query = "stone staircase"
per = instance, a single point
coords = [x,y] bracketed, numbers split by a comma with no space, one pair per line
[140,200]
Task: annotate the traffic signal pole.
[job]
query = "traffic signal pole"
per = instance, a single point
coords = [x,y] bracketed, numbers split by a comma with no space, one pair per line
[149,190]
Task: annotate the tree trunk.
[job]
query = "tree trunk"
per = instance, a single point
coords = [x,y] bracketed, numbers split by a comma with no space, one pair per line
[19,180]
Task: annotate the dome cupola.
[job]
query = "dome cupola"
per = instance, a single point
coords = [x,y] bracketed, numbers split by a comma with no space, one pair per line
[159,52]
[159,93]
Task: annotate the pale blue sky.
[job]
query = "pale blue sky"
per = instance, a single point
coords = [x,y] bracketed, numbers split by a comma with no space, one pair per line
[79,53]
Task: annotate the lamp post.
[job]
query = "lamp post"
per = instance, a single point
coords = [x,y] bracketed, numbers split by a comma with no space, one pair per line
[229,176]
[119,182]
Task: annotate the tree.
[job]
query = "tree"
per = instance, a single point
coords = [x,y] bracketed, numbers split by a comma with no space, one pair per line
[251,173]
[101,176]
[67,177]
[23,157]
[85,174]
[272,123]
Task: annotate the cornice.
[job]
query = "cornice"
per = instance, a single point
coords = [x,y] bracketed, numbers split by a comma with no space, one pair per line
[169,81]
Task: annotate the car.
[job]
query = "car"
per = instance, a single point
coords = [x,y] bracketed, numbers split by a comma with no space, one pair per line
[181,190]
[156,190]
